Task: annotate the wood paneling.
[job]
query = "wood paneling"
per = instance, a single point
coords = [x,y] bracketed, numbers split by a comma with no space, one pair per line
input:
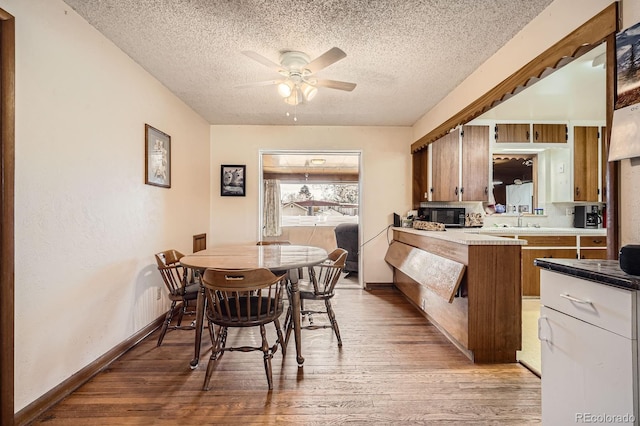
[420,173]
[437,273]
[7,222]
[445,167]
[475,163]
[585,163]
[395,368]
[549,133]
[513,132]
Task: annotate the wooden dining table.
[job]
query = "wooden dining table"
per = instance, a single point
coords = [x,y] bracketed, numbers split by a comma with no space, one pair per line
[277,258]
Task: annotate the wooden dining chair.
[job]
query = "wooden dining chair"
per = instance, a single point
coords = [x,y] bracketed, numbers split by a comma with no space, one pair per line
[183,286]
[242,298]
[320,287]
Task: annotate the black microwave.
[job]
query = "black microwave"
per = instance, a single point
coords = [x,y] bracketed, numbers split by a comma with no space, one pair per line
[452,217]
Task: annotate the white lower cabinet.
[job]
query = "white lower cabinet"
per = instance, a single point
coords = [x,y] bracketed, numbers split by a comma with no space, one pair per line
[589,372]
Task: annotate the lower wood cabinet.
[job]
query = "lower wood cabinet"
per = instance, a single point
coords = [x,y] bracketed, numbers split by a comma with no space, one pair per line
[531,273]
[555,247]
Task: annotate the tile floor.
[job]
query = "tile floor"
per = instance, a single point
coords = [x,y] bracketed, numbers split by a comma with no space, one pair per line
[529,356]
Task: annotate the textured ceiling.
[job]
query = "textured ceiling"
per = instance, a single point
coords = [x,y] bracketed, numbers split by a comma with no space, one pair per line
[404,55]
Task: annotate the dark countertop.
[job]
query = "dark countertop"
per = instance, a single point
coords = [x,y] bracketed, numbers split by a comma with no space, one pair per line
[601,271]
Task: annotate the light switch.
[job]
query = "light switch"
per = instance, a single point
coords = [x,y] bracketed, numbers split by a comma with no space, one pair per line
[561,168]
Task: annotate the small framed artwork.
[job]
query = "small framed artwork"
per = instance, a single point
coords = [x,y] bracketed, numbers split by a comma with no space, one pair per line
[232,180]
[157,157]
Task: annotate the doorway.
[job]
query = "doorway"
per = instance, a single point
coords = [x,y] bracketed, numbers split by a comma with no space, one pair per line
[313,198]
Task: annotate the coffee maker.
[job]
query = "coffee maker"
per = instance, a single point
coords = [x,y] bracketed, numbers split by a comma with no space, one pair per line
[587,217]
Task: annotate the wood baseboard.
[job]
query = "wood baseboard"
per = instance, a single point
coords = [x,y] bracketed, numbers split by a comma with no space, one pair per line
[379,286]
[55,395]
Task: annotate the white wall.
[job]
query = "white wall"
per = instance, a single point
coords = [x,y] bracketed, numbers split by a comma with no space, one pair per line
[553,24]
[386,177]
[86,224]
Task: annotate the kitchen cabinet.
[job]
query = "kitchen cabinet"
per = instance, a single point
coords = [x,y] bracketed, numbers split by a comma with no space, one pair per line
[512,132]
[593,247]
[531,273]
[475,163]
[589,351]
[555,247]
[420,174]
[550,133]
[460,169]
[445,166]
[586,163]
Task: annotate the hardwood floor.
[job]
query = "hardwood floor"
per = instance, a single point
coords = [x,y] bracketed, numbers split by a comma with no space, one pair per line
[394,368]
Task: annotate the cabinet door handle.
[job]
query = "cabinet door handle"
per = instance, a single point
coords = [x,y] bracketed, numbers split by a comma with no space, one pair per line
[540,336]
[577,191]
[462,189]
[575,299]
[597,241]
[456,191]
[486,190]
[536,133]
[528,136]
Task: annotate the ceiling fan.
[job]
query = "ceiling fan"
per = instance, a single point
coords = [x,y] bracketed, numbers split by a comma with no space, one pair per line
[298,83]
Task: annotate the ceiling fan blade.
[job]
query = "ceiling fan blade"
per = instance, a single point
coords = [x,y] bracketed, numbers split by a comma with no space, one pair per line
[327,58]
[264,61]
[259,83]
[333,84]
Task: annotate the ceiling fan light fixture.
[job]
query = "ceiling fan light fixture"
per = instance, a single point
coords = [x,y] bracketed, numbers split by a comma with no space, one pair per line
[284,89]
[309,91]
[295,98]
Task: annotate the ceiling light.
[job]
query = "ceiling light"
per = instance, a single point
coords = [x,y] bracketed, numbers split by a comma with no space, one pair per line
[295,98]
[309,91]
[317,161]
[284,89]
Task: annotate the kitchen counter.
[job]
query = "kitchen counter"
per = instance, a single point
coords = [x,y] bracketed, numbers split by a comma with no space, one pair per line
[606,272]
[524,230]
[465,236]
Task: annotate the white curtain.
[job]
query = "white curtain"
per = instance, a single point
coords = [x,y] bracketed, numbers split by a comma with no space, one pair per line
[272,219]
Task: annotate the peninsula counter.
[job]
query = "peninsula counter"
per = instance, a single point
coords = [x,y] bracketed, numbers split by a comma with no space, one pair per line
[466,284]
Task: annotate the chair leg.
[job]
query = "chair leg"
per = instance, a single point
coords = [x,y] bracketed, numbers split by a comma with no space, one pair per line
[183,309]
[217,351]
[283,346]
[334,322]
[165,324]
[267,356]
[288,326]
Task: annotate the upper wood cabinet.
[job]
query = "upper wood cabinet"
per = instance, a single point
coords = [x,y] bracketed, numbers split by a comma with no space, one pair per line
[550,133]
[585,163]
[420,185]
[445,166]
[508,132]
[475,163]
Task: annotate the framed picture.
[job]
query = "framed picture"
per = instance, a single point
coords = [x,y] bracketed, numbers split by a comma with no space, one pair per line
[627,67]
[157,157]
[232,180]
